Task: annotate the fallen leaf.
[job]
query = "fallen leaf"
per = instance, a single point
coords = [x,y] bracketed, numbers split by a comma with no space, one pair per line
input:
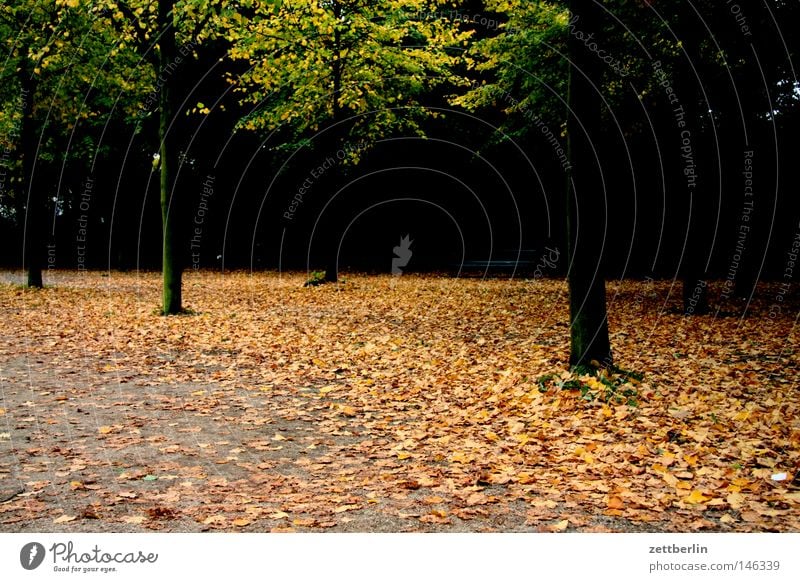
[215,520]
[343,508]
[133,519]
[695,497]
[65,518]
[477,499]
[735,500]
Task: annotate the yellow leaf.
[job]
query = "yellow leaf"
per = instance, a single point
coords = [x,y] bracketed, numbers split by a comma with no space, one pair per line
[214,519]
[2,411]
[343,508]
[671,480]
[727,518]
[278,515]
[198,392]
[615,503]
[477,498]
[696,497]
[133,519]
[735,500]
[65,518]
[75,485]
[525,478]
[241,522]
[327,389]
[403,455]
[105,429]
[560,526]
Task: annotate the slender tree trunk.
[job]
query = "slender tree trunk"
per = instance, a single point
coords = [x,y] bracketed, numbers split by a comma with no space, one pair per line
[332,252]
[695,184]
[586,215]
[171,265]
[35,206]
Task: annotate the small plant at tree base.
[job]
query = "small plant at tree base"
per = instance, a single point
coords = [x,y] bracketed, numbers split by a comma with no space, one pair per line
[183,311]
[611,385]
[316,278]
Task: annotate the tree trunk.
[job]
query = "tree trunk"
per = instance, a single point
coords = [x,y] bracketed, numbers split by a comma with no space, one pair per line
[336,139]
[693,149]
[35,206]
[171,265]
[586,215]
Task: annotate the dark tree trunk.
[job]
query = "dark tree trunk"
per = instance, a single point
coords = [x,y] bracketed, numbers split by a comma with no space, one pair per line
[171,257]
[694,147]
[336,140]
[35,206]
[586,214]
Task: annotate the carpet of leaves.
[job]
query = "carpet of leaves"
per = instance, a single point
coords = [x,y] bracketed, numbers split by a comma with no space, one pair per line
[412,403]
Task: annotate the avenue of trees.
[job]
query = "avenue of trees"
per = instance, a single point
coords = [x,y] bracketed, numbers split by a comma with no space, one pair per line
[658,131]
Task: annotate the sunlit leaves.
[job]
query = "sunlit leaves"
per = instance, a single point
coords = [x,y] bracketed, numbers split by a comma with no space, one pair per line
[313,63]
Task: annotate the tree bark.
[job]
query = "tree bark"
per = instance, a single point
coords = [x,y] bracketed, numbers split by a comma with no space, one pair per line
[171,255]
[35,204]
[697,195]
[586,214]
[336,139]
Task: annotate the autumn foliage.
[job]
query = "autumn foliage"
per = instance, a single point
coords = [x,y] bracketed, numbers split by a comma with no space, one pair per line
[385,403]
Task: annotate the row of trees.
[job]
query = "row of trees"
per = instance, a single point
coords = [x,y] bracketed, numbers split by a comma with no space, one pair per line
[323,74]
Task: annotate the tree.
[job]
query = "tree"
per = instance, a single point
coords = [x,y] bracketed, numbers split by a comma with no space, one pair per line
[36,38]
[342,70]
[586,198]
[165,34]
[539,69]
[53,50]
[171,260]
